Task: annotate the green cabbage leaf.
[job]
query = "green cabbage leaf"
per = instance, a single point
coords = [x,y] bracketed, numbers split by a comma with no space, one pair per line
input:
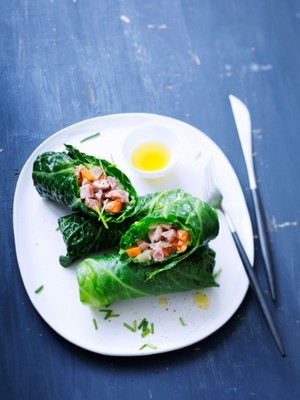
[84,235]
[54,178]
[191,214]
[106,279]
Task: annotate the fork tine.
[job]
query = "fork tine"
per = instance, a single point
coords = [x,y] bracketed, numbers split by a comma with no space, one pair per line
[210,191]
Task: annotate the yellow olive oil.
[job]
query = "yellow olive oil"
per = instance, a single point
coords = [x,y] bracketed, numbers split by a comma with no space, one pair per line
[201,300]
[150,156]
[163,302]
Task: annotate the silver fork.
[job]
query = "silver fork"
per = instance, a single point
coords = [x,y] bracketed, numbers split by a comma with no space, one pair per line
[213,196]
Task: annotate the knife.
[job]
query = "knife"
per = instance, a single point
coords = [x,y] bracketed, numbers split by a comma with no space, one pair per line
[243,124]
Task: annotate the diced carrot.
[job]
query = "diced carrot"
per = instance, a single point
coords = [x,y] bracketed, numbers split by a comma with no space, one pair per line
[183,235]
[114,206]
[85,173]
[133,251]
[168,251]
[179,245]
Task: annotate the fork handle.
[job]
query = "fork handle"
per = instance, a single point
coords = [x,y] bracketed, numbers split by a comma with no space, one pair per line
[258,292]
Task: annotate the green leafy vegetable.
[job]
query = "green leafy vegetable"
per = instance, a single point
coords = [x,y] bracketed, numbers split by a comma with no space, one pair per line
[54,177]
[84,235]
[189,214]
[103,280]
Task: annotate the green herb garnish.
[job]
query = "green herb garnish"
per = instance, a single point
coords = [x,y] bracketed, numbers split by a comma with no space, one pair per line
[109,314]
[152,328]
[100,214]
[95,324]
[151,346]
[90,137]
[143,323]
[146,332]
[131,328]
[39,289]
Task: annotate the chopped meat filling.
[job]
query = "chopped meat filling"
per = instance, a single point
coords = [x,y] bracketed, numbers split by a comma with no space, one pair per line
[163,241]
[98,191]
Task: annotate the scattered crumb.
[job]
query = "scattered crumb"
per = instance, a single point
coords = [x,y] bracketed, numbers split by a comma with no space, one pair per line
[125,19]
[195,57]
[285,224]
[257,67]
[92,95]
[257,133]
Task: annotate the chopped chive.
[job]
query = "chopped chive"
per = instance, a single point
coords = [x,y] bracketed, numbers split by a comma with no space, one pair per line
[39,289]
[135,325]
[182,321]
[95,323]
[112,160]
[217,273]
[106,311]
[103,170]
[114,315]
[129,327]
[151,346]
[152,328]
[145,332]
[145,326]
[141,325]
[108,314]
[90,137]
[100,214]
[57,228]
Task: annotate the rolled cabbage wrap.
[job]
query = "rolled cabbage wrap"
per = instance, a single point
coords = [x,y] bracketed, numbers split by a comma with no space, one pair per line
[85,183]
[170,233]
[84,235]
[104,280]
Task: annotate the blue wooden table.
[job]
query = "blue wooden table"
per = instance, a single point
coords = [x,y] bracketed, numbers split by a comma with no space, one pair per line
[66,61]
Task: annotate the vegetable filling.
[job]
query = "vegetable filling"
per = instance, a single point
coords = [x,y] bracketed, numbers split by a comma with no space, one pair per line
[163,241]
[100,192]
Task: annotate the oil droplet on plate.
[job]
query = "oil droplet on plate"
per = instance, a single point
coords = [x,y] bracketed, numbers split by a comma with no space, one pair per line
[150,156]
[163,302]
[201,300]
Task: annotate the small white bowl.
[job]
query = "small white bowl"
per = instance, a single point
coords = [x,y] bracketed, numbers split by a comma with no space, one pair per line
[152,133]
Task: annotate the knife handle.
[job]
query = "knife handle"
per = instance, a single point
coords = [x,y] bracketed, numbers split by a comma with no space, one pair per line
[262,234]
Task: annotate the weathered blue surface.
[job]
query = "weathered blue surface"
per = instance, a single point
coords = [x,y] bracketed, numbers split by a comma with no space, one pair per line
[65,61]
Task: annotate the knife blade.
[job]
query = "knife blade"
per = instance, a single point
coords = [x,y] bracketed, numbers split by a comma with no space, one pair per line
[243,123]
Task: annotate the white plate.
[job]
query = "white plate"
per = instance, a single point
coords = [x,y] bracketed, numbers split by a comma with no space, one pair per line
[39,244]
